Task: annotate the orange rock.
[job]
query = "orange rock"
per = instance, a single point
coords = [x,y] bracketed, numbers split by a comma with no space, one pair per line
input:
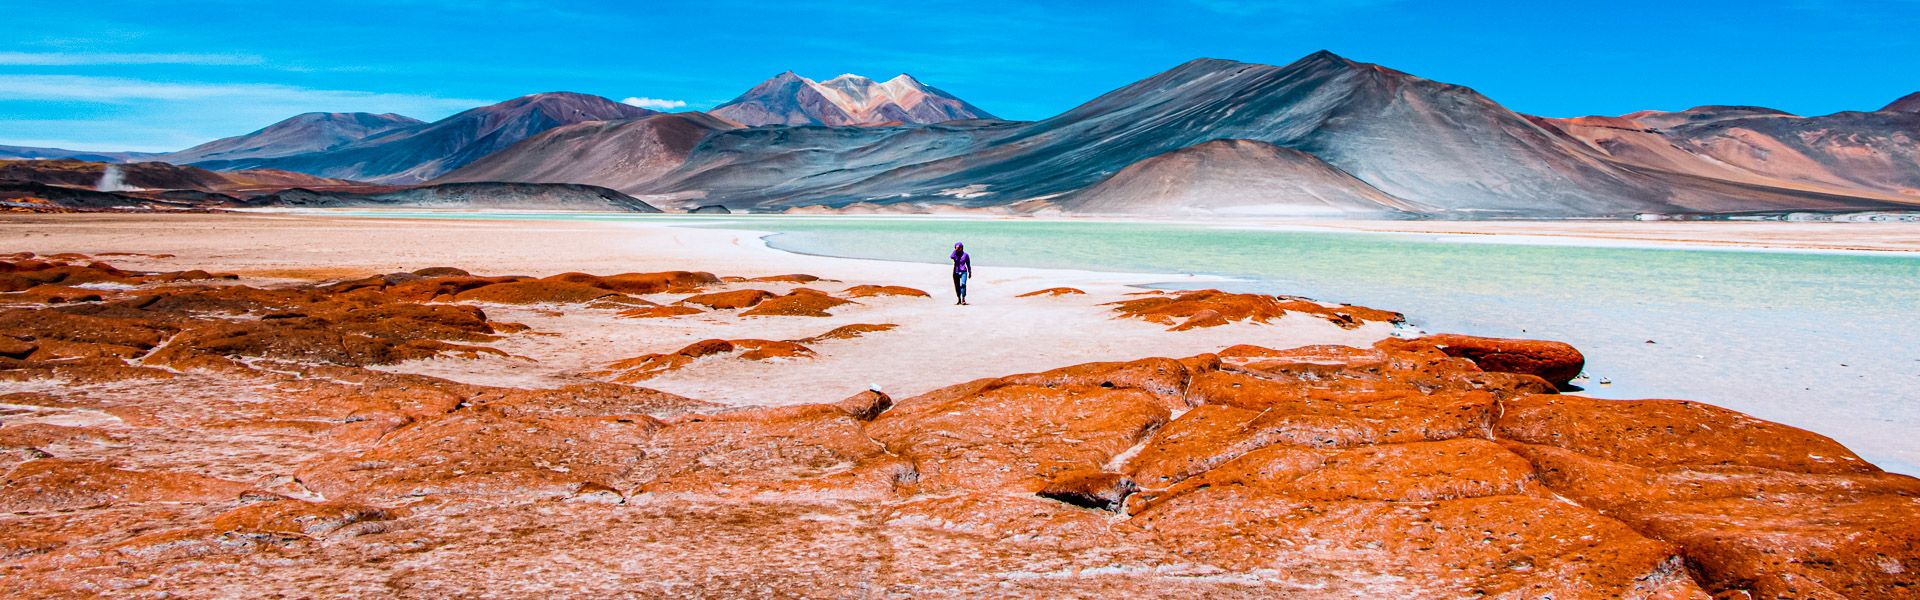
[1555,362]
[792,278]
[1090,489]
[1016,433]
[1058,291]
[642,368]
[863,291]
[53,484]
[1759,509]
[729,300]
[847,332]
[533,292]
[442,272]
[588,400]
[53,294]
[12,347]
[287,517]
[1503,546]
[656,312]
[866,405]
[798,303]
[656,283]
[1347,316]
[816,451]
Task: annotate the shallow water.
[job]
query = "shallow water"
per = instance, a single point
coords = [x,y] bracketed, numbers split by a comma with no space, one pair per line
[1819,340]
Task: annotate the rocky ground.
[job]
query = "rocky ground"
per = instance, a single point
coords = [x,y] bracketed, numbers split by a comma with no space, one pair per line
[189,433]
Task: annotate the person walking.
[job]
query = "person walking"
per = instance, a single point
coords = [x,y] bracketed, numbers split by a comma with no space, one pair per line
[962,270]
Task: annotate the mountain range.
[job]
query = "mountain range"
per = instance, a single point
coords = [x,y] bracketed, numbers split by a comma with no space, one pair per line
[789,99]
[310,132]
[423,151]
[1323,135]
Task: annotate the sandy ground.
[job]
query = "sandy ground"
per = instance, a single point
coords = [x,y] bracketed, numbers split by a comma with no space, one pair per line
[936,343]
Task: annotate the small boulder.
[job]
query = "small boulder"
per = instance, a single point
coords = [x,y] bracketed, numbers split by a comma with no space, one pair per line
[866,405]
[1091,489]
[1556,362]
[442,272]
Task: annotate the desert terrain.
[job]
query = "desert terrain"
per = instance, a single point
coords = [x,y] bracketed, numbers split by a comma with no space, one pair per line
[302,405]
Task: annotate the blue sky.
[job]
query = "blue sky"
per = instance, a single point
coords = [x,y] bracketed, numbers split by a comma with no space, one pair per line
[105,75]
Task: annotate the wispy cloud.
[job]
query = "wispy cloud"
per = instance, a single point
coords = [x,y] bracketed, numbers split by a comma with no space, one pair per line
[654,103]
[113,90]
[124,58]
[115,113]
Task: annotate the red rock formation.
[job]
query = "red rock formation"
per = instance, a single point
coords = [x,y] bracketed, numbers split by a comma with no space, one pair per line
[1213,308]
[644,367]
[792,278]
[52,484]
[798,303]
[735,299]
[1555,362]
[863,291]
[1411,469]
[531,292]
[655,312]
[1059,291]
[848,332]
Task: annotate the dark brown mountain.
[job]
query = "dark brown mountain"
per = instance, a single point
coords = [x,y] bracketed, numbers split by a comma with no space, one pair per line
[426,151]
[622,155]
[310,132]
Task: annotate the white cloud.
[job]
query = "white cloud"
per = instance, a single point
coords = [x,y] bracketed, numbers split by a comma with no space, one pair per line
[654,103]
[116,113]
[115,90]
[122,58]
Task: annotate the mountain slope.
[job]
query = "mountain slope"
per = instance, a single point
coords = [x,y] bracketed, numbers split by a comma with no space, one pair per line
[154,175]
[1909,103]
[1233,177]
[495,196]
[789,99]
[33,153]
[1873,155]
[622,155]
[1870,153]
[422,152]
[308,132]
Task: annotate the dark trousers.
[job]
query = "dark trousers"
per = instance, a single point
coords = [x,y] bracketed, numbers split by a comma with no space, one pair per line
[960,285]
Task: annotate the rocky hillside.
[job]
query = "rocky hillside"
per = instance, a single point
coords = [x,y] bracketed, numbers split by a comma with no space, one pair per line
[789,99]
[623,155]
[422,152]
[1867,154]
[1234,178]
[470,196]
[310,132]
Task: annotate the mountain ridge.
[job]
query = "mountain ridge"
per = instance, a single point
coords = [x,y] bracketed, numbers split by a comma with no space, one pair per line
[302,133]
[422,152]
[848,99]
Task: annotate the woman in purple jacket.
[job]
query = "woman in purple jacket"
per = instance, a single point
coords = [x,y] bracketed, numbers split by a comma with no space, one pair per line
[962,269]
